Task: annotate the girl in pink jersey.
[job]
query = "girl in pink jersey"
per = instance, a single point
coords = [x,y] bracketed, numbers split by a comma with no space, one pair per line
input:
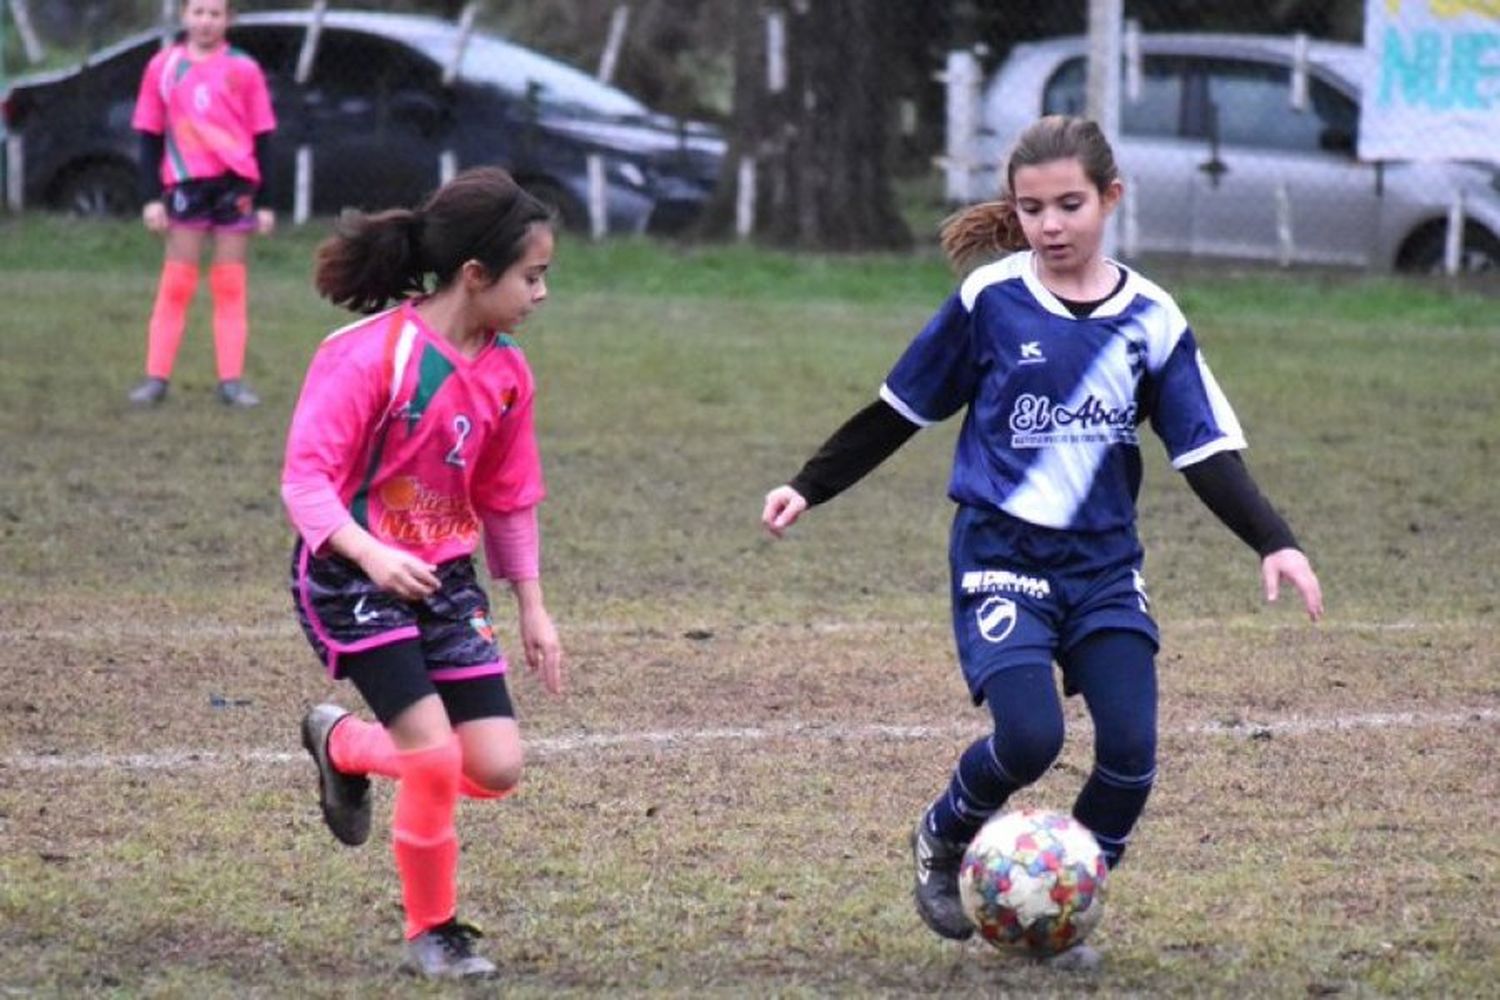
[204,115]
[412,442]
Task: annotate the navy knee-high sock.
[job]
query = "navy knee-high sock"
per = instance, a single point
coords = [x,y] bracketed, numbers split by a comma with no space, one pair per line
[1109,805]
[1116,671]
[979,787]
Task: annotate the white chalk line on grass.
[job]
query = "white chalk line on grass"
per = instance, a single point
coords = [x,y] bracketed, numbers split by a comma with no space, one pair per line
[804,732]
[704,630]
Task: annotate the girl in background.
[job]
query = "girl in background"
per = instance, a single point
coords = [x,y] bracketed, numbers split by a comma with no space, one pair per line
[204,115]
[413,437]
[1057,354]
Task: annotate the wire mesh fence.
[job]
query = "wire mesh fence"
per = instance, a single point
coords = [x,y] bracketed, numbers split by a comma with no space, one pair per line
[1241,130]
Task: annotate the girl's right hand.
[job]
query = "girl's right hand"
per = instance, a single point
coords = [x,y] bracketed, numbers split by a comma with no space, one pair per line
[154,215]
[783,506]
[398,572]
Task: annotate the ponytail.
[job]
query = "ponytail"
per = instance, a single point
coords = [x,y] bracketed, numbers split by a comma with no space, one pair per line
[981,232]
[371,260]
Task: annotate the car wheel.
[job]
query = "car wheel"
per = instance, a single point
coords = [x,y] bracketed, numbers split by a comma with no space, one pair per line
[1424,250]
[98,190]
[572,215]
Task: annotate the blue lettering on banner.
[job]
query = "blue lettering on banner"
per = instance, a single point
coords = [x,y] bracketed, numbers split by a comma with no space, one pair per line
[1412,69]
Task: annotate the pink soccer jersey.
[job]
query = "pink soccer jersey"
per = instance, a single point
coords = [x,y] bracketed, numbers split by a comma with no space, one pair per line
[400,432]
[208,110]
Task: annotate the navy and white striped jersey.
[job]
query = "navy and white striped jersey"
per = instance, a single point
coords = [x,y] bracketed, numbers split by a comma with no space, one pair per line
[1054,401]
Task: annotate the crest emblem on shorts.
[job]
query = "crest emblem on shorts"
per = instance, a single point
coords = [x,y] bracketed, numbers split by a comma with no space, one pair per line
[996,618]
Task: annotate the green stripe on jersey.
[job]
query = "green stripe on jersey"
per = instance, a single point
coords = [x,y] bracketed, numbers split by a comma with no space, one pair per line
[432,372]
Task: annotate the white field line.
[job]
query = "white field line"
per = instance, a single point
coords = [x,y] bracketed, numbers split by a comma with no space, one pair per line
[137,630]
[796,732]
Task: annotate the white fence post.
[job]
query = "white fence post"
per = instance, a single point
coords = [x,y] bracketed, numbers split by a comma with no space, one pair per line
[1106,23]
[1285,242]
[1130,223]
[611,54]
[302,186]
[775,51]
[744,198]
[1299,72]
[598,216]
[15,173]
[30,43]
[1453,246]
[168,21]
[961,78]
[302,182]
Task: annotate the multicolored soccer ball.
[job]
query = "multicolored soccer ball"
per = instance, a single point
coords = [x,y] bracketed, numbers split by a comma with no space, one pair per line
[1033,881]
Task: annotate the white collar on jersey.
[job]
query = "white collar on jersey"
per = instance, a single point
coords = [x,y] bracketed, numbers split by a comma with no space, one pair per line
[1111,306]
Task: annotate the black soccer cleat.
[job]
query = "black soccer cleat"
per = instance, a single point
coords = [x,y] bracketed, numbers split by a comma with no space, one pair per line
[935,887]
[345,798]
[237,395]
[148,392]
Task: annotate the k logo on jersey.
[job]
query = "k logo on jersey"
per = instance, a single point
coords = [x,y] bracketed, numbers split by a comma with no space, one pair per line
[996,618]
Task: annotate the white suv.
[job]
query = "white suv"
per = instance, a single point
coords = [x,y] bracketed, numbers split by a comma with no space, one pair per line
[1219,163]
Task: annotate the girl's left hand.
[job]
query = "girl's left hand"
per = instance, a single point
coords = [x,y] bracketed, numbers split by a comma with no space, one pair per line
[265,221]
[1292,565]
[544,654]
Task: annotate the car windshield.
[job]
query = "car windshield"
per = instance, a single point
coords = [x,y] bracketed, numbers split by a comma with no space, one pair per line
[515,70]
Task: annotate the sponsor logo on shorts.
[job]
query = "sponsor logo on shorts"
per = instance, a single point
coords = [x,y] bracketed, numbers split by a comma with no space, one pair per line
[1003,581]
[361,616]
[996,618]
[481,625]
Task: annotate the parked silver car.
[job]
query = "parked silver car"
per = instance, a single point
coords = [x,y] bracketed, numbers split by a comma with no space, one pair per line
[1219,162]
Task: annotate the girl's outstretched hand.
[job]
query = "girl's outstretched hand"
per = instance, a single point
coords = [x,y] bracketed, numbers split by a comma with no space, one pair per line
[1292,565]
[783,506]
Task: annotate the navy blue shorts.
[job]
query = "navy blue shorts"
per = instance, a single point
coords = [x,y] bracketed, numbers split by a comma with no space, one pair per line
[342,611]
[1026,594]
[223,202]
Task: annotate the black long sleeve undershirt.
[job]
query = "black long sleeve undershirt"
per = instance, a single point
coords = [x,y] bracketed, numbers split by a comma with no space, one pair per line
[868,438]
[1222,481]
[153,146]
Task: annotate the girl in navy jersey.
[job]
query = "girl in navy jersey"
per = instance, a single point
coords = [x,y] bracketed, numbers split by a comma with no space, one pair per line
[1057,355]
[413,440]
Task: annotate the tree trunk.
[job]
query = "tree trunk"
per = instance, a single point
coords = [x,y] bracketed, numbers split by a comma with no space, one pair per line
[821,144]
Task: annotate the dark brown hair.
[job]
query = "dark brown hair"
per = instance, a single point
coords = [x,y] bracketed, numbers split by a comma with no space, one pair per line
[373,259]
[993,227]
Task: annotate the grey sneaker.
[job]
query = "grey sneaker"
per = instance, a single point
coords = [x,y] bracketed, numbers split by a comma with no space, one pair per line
[936,885]
[148,392]
[233,392]
[1079,958]
[447,952]
[345,798]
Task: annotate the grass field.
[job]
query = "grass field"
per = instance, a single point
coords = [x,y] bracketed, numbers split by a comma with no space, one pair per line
[720,805]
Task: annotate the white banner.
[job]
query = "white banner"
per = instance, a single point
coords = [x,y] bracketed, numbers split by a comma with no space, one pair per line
[1432,80]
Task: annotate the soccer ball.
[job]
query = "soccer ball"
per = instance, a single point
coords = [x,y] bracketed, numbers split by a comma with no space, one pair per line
[1033,881]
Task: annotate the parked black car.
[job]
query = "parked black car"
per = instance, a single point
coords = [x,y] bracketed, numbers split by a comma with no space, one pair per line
[378,117]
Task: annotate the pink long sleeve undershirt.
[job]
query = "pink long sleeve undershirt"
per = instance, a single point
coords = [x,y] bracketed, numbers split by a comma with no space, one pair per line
[512,540]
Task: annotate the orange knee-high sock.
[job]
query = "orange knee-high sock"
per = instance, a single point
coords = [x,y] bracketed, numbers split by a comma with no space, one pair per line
[174,293]
[423,837]
[471,789]
[228,282]
[360,747]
